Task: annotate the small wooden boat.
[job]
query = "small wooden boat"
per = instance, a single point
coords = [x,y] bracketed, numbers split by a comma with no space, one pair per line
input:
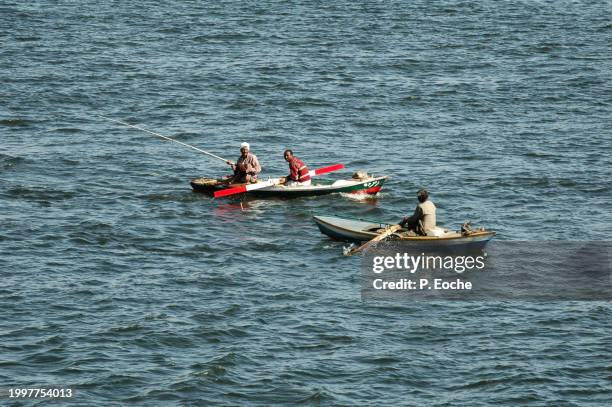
[366,185]
[356,230]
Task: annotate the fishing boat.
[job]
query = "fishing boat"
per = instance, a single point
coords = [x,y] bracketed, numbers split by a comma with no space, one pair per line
[368,185]
[357,230]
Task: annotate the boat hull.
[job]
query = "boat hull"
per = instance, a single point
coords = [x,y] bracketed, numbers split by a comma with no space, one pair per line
[352,230]
[369,186]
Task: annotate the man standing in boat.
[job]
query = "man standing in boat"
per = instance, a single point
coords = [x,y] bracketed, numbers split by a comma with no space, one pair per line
[246,168]
[423,220]
[298,170]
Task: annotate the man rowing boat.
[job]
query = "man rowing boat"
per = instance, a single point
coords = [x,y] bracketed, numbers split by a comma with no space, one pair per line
[298,170]
[246,168]
[423,220]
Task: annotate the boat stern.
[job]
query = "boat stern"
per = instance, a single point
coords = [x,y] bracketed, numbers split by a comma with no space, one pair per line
[369,186]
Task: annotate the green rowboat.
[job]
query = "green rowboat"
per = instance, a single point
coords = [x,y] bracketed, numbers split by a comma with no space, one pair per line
[366,186]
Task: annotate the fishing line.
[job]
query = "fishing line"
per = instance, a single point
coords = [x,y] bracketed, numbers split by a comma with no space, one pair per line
[164,137]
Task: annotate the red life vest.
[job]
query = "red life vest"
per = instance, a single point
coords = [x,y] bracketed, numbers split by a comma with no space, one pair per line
[299,170]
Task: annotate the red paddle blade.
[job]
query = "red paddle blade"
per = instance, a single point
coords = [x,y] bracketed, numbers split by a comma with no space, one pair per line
[330,168]
[245,188]
[230,191]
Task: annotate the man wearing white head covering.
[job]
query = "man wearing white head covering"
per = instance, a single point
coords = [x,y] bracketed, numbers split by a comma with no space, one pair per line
[247,167]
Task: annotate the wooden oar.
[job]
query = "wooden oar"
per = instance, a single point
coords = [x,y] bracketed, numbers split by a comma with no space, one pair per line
[378,238]
[273,181]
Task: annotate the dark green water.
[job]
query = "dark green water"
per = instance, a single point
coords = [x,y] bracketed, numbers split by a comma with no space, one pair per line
[118,281]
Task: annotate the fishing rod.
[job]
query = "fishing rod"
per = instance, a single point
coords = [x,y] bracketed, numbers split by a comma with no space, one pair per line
[164,137]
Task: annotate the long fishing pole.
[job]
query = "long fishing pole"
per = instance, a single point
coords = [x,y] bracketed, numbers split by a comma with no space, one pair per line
[164,137]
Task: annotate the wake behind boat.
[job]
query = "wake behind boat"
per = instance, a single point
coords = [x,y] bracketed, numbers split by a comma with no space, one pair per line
[357,230]
[359,184]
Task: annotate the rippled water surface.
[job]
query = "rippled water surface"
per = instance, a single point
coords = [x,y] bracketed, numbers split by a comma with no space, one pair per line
[119,281]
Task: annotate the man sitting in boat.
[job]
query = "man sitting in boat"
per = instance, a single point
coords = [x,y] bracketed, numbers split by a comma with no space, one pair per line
[298,170]
[246,168]
[423,220]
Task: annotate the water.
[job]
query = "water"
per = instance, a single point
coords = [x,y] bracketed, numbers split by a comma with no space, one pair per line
[120,282]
